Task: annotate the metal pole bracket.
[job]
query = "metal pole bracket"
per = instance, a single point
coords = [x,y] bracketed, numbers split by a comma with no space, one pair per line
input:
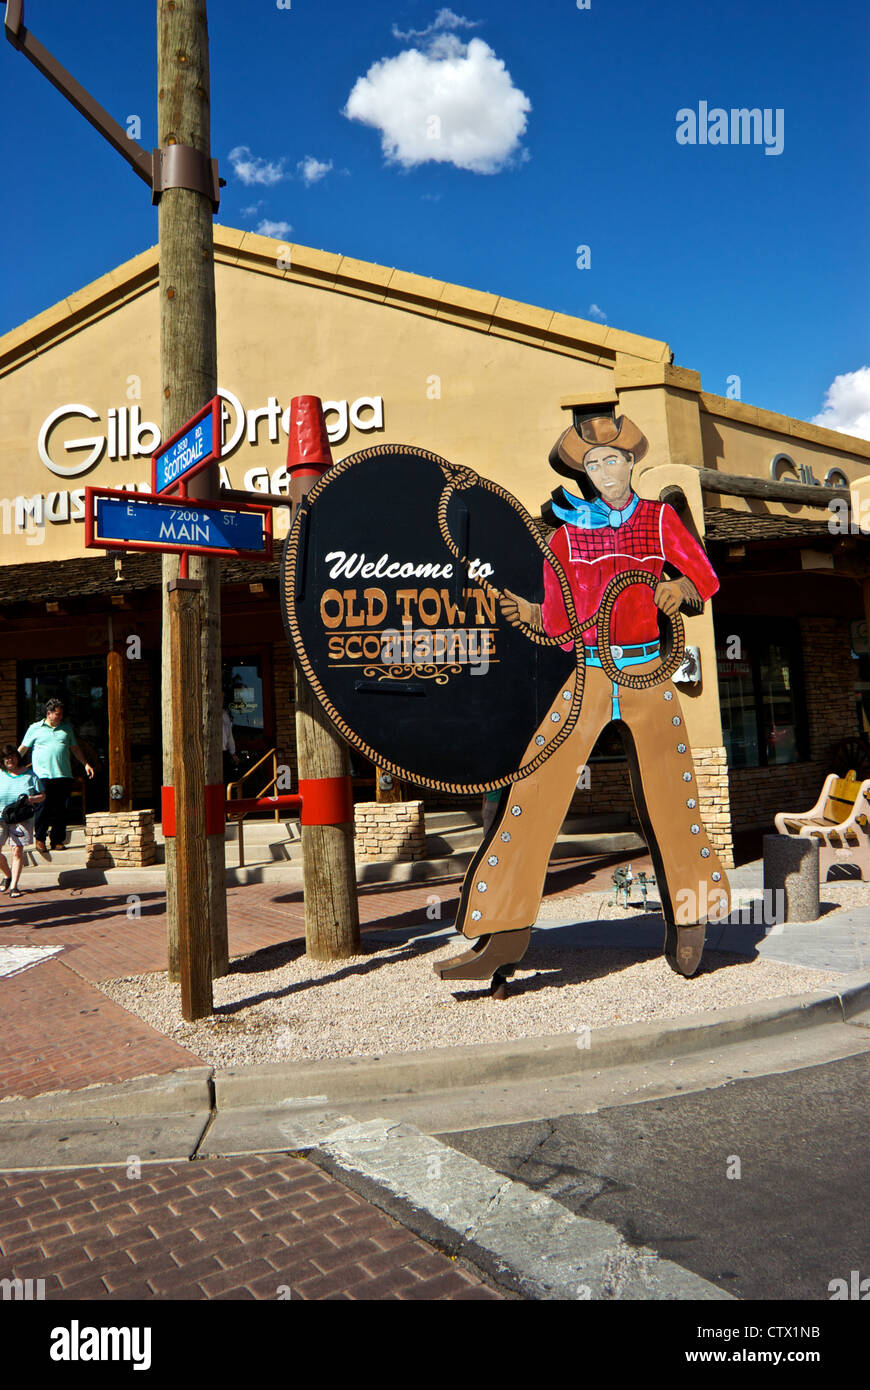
[183,166]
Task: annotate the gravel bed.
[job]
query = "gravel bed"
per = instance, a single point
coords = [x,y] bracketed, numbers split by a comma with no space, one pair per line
[588,907]
[278,1005]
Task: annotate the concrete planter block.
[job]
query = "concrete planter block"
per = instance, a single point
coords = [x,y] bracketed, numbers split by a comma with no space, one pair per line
[791,878]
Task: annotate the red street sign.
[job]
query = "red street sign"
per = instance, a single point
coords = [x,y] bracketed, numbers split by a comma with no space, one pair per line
[189,450]
[119,520]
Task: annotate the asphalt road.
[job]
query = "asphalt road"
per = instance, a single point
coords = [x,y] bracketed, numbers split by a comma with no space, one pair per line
[761,1186]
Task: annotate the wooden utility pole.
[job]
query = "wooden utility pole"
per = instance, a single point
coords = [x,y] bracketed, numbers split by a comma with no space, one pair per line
[188,374]
[328,863]
[191,860]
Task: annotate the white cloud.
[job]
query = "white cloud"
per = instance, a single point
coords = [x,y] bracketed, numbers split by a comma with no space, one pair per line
[312,170]
[251,169]
[444,19]
[847,404]
[455,104]
[278,229]
[597,313]
[252,209]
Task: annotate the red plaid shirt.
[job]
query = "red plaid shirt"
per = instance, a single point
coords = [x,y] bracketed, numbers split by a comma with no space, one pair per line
[652,536]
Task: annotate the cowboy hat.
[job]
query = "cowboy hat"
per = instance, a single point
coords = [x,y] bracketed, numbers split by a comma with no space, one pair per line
[594,425]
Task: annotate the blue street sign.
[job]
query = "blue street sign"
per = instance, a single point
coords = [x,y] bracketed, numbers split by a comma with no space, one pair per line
[189,450]
[139,522]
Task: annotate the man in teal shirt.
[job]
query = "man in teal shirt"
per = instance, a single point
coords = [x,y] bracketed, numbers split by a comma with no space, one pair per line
[52,740]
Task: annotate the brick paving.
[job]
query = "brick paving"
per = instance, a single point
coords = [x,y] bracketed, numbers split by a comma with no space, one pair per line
[265,1227]
[59,1033]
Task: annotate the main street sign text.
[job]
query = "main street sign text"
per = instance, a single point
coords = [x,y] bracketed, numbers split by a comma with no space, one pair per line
[117,520]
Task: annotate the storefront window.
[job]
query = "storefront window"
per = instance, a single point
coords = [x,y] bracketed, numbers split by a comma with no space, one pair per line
[246,684]
[778,705]
[81,685]
[761,692]
[243,694]
[737,704]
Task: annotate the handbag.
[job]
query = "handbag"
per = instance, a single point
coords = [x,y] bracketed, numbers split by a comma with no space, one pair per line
[18,811]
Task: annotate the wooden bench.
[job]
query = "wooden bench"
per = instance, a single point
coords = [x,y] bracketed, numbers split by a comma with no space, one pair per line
[839,823]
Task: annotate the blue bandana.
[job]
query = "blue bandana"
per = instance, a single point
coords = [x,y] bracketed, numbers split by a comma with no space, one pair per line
[590,516]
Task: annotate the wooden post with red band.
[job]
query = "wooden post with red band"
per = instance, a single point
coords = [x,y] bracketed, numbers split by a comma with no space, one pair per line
[326,800]
[191,857]
[215,797]
[328,864]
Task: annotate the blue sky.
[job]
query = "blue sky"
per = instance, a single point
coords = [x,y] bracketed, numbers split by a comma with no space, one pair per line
[557,130]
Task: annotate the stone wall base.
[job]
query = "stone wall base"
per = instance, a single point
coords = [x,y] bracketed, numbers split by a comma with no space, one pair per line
[711,774]
[389,830]
[120,839]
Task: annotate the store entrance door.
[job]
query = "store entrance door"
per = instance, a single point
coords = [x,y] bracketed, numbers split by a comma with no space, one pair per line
[247,689]
[80,682]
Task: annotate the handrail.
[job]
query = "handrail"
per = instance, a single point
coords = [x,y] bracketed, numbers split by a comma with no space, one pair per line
[234,790]
[272,753]
[319,801]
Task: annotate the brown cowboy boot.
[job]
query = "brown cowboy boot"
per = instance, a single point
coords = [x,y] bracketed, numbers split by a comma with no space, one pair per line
[684,943]
[485,956]
[684,947]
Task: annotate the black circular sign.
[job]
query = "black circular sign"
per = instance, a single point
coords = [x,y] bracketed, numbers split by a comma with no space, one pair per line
[390,583]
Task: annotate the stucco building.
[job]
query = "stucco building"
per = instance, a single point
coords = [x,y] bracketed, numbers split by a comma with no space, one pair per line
[483,381]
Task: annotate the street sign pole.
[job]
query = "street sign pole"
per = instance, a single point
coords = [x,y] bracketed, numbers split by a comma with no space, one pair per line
[192,810]
[188,375]
[191,858]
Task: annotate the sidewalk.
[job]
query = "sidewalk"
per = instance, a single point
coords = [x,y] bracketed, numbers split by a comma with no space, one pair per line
[273,1224]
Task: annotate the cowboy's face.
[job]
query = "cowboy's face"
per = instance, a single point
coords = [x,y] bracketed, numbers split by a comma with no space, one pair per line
[609,472]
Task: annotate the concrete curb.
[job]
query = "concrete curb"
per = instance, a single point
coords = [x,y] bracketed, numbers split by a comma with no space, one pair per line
[855,997]
[396,1075]
[399,1074]
[187,1089]
[153,1119]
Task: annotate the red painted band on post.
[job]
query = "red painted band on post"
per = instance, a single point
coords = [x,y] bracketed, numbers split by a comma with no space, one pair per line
[215,801]
[167,810]
[326,800]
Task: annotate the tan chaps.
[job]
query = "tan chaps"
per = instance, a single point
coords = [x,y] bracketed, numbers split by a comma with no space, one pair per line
[505,880]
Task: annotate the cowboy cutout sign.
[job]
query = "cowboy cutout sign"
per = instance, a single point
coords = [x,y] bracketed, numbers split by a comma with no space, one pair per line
[458,650]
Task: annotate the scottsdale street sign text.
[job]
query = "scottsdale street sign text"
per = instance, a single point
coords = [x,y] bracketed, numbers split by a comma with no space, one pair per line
[190,449]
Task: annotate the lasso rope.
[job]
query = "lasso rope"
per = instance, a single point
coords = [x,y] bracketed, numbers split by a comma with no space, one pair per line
[459,480]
